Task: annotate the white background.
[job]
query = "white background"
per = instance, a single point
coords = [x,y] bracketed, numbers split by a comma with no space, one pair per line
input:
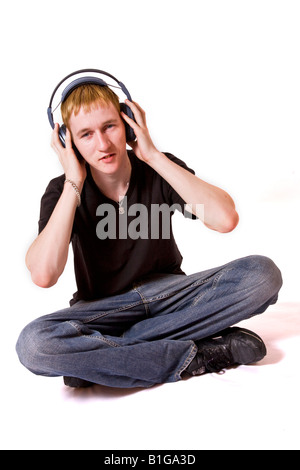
[219,81]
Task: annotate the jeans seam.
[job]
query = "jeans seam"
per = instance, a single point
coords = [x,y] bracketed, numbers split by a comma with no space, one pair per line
[103,314]
[165,296]
[186,363]
[144,300]
[98,338]
[219,275]
[216,279]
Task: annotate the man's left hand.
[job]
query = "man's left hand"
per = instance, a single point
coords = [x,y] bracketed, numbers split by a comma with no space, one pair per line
[143,146]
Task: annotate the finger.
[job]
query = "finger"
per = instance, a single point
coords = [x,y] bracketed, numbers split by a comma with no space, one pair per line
[130,121]
[139,107]
[55,142]
[139,113]
[135,108]
[68,139]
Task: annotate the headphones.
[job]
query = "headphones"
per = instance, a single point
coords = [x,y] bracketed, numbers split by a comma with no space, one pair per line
[130,135]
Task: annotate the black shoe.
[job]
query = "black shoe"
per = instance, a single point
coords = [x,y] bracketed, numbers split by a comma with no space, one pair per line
[77,383]
[230,347]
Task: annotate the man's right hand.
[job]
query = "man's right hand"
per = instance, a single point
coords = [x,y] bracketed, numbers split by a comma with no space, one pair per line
[73,168]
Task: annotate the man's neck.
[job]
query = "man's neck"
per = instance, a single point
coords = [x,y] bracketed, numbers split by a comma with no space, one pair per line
[114,186]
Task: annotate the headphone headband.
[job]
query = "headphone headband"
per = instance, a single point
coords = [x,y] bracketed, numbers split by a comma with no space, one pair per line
[89,79]
[81,81]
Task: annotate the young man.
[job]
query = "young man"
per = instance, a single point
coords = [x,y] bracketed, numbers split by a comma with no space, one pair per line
[136,319]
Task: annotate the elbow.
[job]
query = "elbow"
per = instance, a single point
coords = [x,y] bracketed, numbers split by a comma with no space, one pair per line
[41,275]
[44,280]
[229,222]
[225,223]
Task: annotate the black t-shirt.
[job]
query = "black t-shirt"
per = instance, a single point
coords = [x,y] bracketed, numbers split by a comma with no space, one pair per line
[113,250]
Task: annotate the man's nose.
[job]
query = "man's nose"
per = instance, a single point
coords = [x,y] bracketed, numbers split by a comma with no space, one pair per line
[103,141]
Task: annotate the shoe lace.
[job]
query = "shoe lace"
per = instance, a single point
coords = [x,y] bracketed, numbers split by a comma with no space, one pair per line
[216,362]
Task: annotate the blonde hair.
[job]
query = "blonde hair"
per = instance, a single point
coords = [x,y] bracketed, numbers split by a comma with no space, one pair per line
[87,96]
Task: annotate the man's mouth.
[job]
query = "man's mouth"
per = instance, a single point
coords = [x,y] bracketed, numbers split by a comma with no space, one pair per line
[106,157]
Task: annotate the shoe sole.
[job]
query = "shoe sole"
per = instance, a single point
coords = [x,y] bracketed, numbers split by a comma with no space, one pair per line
[75,382]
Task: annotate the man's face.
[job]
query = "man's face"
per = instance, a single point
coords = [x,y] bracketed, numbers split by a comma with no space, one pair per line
[99,135]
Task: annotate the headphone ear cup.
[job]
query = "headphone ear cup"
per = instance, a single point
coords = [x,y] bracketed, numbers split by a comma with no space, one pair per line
[130,135]
[62,137]
[62,134]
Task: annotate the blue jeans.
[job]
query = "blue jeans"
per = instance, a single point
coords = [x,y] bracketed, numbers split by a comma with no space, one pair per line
[147,335]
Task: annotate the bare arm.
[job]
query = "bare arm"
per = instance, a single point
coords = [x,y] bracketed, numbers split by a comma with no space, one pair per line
[211,204]
[219,210]
[47,256]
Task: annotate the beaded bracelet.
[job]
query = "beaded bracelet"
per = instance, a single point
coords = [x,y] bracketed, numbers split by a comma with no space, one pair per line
[76,190]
